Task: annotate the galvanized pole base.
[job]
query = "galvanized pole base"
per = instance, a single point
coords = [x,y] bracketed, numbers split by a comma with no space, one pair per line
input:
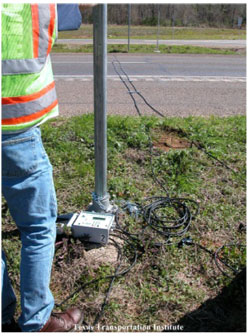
[102,205]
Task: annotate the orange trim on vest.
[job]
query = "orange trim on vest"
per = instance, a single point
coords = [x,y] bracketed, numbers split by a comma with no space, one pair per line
[35,29]
[28,118]
[28,98]
[51,26]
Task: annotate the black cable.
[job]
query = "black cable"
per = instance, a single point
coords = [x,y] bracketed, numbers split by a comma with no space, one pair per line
[135,90]
[216,258]
[129,91]
[202,148]
[165,226]
[214,254]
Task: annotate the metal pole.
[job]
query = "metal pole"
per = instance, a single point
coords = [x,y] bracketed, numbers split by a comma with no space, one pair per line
[129,24]
[173,23]
[158,28]
[100,196]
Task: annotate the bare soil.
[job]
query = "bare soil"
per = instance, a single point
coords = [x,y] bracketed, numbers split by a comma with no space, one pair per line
[170,140]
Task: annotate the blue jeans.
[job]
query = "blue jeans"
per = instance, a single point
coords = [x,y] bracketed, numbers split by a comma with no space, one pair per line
[27,185]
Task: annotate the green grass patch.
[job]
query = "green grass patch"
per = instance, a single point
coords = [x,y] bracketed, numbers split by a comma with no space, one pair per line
[168,282]
[137,48]
[166,33]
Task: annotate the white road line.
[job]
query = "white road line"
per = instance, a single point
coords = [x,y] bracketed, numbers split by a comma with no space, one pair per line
[156,78]
[215,80]
[151,76]
[85,62]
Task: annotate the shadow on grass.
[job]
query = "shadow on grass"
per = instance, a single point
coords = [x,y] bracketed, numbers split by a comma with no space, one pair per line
[10,234]
[225,313]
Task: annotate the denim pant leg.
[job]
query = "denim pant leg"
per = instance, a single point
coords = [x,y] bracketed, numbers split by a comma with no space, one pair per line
[8,295]
[29,191]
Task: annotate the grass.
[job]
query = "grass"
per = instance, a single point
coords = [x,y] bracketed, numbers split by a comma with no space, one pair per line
[146,32]
[122,48]
[168,282]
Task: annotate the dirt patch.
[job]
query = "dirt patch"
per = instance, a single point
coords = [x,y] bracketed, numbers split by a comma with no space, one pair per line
[103,255]
[96,255]
[170,140]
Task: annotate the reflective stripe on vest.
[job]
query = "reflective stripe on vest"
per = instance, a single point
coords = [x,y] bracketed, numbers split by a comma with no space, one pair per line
[19,66]
[26,105]
[28,118]
[44,29]
[43,24]
[17,128]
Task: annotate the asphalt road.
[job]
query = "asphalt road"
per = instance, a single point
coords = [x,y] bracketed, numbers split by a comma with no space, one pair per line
[176,85]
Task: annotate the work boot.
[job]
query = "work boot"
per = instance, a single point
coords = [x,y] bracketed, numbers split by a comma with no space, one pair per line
[63,322]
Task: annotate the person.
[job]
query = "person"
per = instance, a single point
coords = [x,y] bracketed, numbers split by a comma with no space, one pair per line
[28,100]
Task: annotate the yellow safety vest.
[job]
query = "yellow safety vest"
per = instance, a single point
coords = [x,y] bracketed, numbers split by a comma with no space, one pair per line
[28,87]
